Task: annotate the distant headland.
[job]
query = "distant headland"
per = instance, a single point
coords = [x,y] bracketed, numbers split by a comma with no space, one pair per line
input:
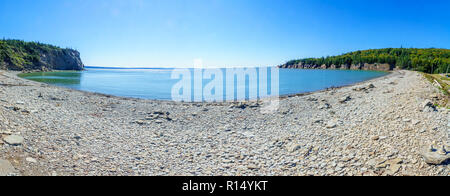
[19,55]
[429,60]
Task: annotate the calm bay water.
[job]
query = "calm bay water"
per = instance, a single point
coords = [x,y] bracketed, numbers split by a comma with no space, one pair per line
[157,83]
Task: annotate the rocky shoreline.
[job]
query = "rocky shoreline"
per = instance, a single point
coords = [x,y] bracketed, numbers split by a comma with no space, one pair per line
[386,126]
[365,66]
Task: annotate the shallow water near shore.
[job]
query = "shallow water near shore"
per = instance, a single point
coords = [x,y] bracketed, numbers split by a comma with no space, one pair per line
[157,83]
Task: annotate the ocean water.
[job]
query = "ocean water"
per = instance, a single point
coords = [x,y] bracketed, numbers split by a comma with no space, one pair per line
[158,83]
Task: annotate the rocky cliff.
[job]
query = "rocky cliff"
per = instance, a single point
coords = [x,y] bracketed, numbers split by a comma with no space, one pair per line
[19,55]
[66,59]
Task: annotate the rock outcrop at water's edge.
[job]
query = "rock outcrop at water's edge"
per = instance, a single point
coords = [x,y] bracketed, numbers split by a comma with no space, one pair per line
[365,66]
[65,59]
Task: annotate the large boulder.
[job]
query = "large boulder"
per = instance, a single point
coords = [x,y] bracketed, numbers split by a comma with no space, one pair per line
[435,157]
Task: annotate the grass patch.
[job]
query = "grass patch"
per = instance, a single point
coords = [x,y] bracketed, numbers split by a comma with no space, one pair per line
[444,78]
[444,85]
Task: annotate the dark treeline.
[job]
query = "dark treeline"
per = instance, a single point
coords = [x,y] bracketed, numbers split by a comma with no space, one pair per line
[426,60]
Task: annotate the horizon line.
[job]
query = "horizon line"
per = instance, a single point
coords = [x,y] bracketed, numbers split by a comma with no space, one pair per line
[190,67]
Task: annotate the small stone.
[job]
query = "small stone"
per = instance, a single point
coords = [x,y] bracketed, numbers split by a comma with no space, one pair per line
[318,121]
[311,99]
[227,161]
[331,125]
[226,128]
[392,153]
[4,132]
[324,106]
[13,140]
[427,103]
[253,167]
[33,111]
[345,99]
[407,129]
[293,147]
[375,138]
[140,122]
[442,151]
[346,159]
[375,162]
[359,89]
[434,96]
[395,161]
[31,160]
[381,165]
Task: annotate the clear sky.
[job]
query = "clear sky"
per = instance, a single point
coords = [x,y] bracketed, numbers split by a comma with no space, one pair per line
[162,33]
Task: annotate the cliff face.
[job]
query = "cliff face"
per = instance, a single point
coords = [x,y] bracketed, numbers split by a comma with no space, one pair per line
[19,55]
[66,59]
[365,66]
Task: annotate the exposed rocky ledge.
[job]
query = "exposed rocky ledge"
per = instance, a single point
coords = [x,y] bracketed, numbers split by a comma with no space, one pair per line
[365,66]
[65,59]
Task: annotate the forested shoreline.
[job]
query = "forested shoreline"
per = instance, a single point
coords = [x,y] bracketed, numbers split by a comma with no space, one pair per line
[431,60]
[20,55]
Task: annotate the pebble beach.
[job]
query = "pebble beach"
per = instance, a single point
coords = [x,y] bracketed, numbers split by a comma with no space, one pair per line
[386,126]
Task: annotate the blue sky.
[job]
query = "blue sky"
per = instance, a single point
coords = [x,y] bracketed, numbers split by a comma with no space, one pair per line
[172,33]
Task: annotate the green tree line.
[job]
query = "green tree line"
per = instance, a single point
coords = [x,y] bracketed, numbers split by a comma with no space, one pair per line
[429,60]
[18,54]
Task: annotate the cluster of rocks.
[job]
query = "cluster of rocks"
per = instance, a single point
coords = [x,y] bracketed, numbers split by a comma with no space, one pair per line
[244,105]
[365,89]
[157,117]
